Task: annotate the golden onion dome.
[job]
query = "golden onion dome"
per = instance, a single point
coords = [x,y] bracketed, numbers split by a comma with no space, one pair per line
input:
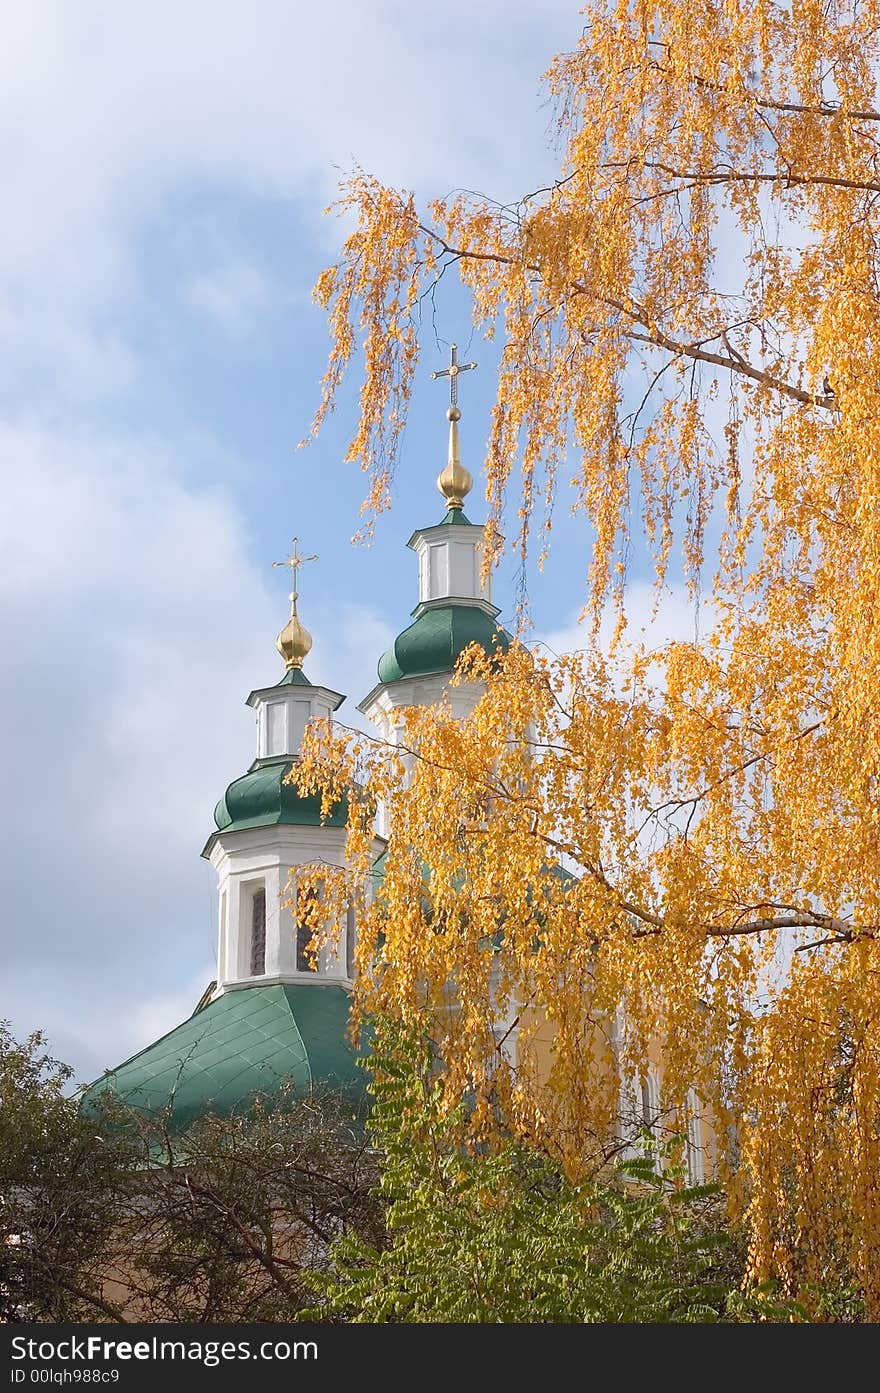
[294,642]
[455,482]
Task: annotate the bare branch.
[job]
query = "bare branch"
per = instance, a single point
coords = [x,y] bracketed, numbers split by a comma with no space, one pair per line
[652,334]
[734,176]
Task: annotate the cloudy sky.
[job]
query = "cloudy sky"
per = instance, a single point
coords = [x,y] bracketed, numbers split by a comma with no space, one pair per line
[164,170]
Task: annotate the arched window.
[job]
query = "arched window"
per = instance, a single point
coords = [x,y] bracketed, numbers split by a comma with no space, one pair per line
[650,1101]
[305,961]
[258,932]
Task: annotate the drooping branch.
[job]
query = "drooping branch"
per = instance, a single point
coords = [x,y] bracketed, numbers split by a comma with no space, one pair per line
[650,924]
[735,364]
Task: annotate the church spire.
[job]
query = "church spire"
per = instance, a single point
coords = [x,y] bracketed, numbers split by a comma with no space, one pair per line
[455,482]
[294,642]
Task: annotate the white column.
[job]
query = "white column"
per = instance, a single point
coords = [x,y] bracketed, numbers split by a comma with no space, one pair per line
[274,918]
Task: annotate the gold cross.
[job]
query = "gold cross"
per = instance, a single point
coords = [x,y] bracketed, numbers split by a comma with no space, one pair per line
[455,367]
[294,561]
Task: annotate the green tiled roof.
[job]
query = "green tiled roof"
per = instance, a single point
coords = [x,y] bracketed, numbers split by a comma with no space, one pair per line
[261,798]
[437,639]
[249,1041]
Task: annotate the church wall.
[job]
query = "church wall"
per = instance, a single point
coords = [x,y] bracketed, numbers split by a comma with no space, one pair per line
[282,719]
[385,711]
[450,564]
[536,1054]
[263,857]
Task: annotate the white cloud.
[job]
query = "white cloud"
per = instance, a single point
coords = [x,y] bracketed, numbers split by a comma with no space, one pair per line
[123,114]
[653,621]
[66,356]
[233,296]
[117,110]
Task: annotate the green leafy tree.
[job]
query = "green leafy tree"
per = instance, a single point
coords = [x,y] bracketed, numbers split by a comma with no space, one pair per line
[505,1237]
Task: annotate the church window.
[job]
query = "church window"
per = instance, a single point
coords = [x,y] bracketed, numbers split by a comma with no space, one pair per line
[258,933]
[305,961]
[650,1101]
[276,713]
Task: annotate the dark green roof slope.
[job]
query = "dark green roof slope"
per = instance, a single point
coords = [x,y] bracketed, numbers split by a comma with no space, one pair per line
[250,1041]
[437,639]
[294,677]
[261,798]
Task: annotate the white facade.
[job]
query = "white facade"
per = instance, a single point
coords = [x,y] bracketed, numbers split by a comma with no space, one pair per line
[384,706]
[283,713]
[260,859]
[385,702]
[258,939]
[450,560]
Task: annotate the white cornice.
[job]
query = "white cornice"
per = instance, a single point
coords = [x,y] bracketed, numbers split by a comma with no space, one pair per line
[457,602]
[293,689]
[443,529]
[287,979]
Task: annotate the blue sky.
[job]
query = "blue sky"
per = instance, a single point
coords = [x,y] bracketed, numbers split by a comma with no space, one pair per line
[165,168]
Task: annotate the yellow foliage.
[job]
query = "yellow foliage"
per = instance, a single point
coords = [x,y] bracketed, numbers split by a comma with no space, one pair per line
[708,252]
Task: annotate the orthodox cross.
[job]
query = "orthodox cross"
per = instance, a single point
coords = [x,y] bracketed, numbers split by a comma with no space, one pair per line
[455,367]
[294,561]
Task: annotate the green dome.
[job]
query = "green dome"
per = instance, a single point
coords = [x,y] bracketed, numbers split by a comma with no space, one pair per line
[248,1042]
[437,639]
[261,798]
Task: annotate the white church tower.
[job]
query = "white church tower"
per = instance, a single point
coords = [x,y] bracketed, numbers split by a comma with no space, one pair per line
[455,604]
[265,827]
